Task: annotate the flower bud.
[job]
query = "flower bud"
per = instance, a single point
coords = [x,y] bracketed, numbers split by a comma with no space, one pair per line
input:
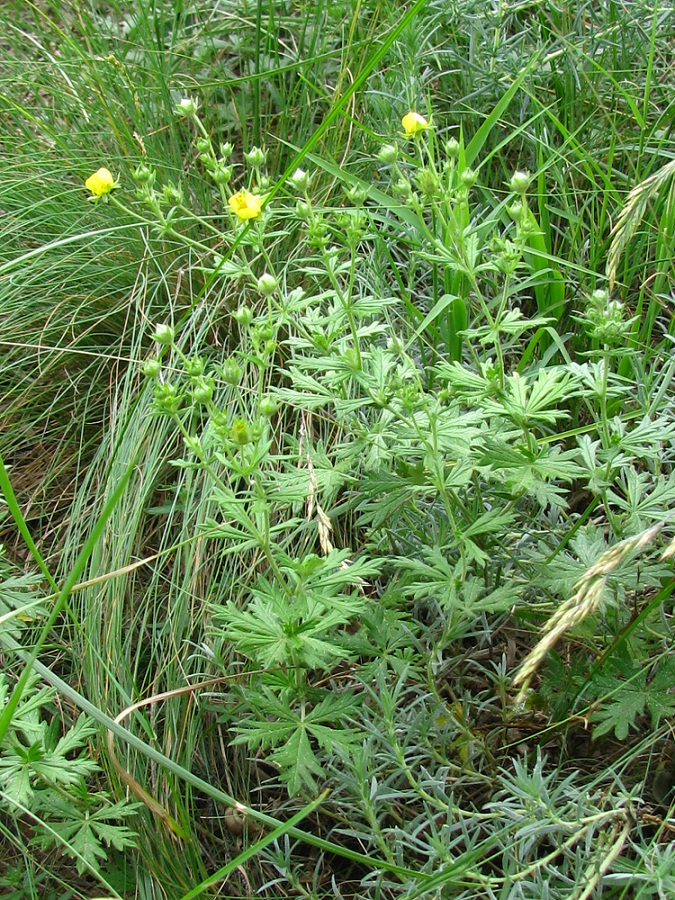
[204,146]
[428,182]
[520,182]
[243,315]
[388,154]
[299,180]
[164,334]
[143,175]
[167,399]
[186,107]
[302,210]
[255,157]
[195,366]
[267,407]
[221,174]
[231,372]
[452,148]
[173,193]
[267,284]
[202,389]
[395,346]
[151,367]
[468,177]
[240,432]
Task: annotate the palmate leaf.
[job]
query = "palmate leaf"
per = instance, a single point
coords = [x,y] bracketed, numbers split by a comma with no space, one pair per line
[83,832]
[618,712]
[627,698]
[298,762]
[291,733]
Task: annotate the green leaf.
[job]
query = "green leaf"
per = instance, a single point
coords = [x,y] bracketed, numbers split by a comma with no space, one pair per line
[619,711]
[298,762]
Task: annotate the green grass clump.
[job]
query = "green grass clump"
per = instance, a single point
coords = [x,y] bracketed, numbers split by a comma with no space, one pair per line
[337,450]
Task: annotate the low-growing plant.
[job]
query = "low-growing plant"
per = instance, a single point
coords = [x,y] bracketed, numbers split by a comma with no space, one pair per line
[387,419]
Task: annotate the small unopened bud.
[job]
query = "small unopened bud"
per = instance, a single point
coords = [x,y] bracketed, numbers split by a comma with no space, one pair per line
[395,346]
[186,107]
[267,284]
[303,210]
[195,366]
[231,371]
[243,315]
[356,194]
[202,389]
[388,154]
[255,157]
[299,180]
[452,148]
[164,334]
[468,177]
[240,432]
[267,407]
[221,174]
[151,367]
[143,175]
[520,182]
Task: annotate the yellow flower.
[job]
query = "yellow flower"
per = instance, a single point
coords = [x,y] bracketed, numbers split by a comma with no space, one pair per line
[246,205]
[413,123]
[100,183]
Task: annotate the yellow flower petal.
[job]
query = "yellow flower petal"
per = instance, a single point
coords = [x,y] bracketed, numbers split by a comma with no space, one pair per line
[413,123]
[246,205]
[100,183]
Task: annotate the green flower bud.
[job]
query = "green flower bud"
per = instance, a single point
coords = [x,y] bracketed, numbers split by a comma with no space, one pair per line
[428,182]
[164,334]
[403,187]
[204,146]
[202,389]
[243,315]
[221,174]
[356,194]
[167,400]
[388,154]
[267,284]
[240,432]
[599,297]
[151,367]
[194,367]
[186,107]
[226,151]
[452,148]
[172,193]
[268,407]
[231,372]
[303,210]
[144,175]
[299,180]
[255,157]
[468,177]
[395,345]
[520,182]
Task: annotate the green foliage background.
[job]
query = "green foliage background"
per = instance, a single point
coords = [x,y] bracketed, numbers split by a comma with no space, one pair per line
[337,546]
